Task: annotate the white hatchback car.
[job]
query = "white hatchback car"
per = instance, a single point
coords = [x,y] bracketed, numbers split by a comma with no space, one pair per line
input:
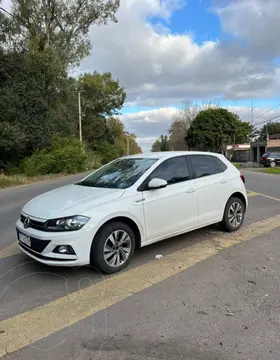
[131,202]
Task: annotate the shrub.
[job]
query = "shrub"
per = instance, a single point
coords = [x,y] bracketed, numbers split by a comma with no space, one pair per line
[65,156]
[107,152]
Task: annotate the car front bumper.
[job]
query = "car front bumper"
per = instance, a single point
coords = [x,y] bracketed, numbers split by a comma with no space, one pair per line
[44,243]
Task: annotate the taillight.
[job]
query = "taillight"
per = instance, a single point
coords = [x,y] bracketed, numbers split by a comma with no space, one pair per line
[265,158]
[242,177]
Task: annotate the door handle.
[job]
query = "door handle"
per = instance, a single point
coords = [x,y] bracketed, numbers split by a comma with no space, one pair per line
[139,201]
[223,181]
[191,190]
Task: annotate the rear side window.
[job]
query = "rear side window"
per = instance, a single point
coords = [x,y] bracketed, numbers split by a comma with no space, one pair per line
[221,165]
[173,170]
[204,165]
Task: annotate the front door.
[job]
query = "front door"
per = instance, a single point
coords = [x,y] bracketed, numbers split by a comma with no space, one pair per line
[173,209]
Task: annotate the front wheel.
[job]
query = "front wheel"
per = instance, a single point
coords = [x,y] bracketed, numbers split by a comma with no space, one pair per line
[273,164]
[113,247]
[233,215]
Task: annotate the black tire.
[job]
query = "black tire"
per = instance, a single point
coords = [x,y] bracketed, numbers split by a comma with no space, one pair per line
[226,224]
[97,255]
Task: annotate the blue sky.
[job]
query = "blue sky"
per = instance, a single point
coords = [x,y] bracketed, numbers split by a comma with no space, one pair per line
[198,52]
[195,18]
[198,20]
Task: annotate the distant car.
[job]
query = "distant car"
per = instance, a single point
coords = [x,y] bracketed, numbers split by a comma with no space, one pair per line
[131,202]
[270,159]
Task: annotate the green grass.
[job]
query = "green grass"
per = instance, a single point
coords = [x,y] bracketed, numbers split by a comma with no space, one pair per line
[237,165]
[274,171]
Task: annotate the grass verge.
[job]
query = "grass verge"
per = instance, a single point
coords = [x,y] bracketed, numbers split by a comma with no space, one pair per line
[16,180]
[237,165]
[274,171]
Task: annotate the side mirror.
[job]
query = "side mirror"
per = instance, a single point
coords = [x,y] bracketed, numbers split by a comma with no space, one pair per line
[157,183]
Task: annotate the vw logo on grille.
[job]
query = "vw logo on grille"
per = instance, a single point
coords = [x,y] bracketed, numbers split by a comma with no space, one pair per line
[26,222]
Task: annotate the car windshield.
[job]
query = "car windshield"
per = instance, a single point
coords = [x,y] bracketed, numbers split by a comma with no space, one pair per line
[120,174]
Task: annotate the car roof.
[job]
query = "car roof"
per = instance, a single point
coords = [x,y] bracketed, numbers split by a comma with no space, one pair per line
[170,154]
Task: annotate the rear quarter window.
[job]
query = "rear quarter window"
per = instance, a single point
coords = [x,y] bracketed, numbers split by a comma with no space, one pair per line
[221,165]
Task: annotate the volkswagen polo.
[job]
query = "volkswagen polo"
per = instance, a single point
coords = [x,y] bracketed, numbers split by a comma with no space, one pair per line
[131,202]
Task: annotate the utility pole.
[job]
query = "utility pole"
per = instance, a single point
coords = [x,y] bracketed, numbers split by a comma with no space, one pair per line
[80,117]
[80,114]
[127,142]
[252,111]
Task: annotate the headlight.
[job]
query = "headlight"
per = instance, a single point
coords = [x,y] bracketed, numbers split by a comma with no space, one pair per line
[70,223]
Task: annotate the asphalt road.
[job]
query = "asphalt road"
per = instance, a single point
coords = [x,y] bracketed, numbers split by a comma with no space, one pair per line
[212,296]
[13,199]
[263,183]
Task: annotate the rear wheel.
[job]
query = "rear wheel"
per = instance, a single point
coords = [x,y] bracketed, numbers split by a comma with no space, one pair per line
[273,164]
[233,215]
[113,247]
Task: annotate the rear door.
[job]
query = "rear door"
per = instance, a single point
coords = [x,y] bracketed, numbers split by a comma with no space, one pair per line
[172,209]
[212,185]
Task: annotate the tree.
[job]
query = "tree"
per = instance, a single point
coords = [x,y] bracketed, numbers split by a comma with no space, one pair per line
[102,97]
[134,148]
[12,144]
[178,132]
[181,122]
[58,29]
[54,35]
[22,102]
[214,128]
[39,42]
[269,128]
[161,144]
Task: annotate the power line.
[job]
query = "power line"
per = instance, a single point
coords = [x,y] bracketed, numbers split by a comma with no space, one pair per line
[273,117]
[266,112]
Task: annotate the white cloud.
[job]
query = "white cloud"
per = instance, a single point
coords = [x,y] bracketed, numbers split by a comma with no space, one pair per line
[159,68]
[256,21]
[148,125]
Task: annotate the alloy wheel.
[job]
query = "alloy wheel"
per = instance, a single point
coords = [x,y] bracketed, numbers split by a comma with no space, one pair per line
[235,214]
[117,248]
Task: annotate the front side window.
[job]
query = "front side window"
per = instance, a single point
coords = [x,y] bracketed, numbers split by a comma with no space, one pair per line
[120,174]
[173,170]
[204,165]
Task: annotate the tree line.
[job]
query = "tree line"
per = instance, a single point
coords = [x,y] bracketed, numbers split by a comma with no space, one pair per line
[40,42]
[208,127]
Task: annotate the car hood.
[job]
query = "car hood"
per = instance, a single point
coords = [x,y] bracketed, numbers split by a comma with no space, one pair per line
[69,200]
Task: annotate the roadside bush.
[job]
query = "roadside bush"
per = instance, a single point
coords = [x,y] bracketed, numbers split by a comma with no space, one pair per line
[65,156]
[93,159]
[249,165]
[107,152]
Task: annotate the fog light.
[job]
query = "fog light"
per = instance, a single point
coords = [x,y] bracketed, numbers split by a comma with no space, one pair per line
[64,249]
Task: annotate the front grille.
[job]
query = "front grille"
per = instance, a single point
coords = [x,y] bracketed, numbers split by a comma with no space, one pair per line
[38,245]
[37,225]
